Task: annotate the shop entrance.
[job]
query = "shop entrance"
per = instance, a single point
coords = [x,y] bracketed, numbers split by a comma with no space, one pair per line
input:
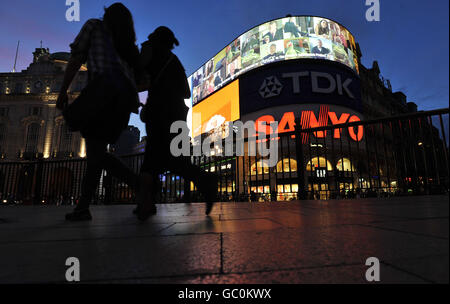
[319,191]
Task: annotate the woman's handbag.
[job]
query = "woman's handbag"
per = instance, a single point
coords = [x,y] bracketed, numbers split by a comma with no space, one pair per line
[90,104]
[103,108]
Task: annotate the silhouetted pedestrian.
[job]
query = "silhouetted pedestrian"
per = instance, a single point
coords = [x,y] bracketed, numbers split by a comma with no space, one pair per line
[108,46]
[252,196]
[168,87]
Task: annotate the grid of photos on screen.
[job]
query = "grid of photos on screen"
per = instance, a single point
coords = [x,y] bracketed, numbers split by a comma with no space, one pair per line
[250,50]
[271,37]
[217,72]
[296,37]
[281,39]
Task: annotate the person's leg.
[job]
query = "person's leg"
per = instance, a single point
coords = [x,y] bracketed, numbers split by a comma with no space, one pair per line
[94,152]
[187,191]
[148,176]
[158,158]
[206,183]
[97,159]
[113,165]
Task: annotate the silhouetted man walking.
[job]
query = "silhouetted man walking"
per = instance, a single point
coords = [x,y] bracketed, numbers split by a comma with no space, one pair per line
[165,105]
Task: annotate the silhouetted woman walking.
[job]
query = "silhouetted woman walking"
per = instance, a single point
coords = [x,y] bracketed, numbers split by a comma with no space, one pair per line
[108,46]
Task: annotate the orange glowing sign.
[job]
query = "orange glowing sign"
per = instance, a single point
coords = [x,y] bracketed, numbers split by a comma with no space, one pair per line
[216,110]
[310,120]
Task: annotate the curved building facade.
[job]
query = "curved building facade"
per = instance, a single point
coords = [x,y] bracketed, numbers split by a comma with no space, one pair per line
[295,70]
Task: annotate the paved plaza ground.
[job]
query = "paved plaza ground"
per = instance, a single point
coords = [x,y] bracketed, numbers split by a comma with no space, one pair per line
[278,242]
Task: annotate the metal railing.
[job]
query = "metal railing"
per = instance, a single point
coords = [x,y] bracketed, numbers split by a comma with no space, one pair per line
[401,155]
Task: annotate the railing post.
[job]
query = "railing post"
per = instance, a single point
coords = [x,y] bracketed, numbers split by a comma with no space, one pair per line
[300,163]
[38,182]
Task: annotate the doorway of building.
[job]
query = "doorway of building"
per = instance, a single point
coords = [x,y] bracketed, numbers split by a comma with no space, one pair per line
[319,191]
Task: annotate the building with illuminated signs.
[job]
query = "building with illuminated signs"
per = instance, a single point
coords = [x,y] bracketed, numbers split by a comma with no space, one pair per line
[298,69]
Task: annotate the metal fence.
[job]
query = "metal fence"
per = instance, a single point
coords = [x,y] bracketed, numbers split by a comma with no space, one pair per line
[402,155]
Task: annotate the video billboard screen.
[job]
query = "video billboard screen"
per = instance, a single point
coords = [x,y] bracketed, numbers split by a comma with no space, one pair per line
[215,111]
[282,39]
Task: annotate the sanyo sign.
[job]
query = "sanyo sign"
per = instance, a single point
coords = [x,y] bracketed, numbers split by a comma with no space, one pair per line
[308,116]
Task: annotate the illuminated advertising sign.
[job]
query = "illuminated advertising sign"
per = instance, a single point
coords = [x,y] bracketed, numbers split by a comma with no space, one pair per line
[213,113]
[278,40]
[304,82]
[309,116]
[285,84]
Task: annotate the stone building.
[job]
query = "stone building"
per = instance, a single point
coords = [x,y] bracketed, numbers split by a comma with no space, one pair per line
[30,125]
[378,100]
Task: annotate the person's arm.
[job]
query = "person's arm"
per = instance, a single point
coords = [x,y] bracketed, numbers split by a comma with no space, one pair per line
[143,81]
[71,70]
[79,51]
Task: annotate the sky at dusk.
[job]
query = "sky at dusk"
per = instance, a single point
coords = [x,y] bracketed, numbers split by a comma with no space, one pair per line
[410,42]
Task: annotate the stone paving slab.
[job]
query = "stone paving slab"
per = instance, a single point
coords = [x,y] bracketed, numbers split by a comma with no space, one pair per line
[433,227]
[270,242]
[433,268]
[107,259]
[210,226]
[59,233]
[289,248]
[352,274]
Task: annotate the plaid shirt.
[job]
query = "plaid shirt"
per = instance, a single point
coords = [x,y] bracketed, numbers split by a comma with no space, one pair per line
[94,46]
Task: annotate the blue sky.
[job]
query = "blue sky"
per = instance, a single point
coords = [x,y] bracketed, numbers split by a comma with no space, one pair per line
[410,42]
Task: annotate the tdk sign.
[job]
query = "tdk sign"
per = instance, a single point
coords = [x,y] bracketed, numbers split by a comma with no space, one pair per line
[335,82]
[272,87]
[299,82]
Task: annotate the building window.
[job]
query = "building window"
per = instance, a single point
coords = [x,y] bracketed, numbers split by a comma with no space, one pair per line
[35,111]
[319,163]
[4,112]
[287,165]
[32,137]
[2,138]
[287,192]
[260,189]
[18,88]
[345,164]
[38,87]
[259,168]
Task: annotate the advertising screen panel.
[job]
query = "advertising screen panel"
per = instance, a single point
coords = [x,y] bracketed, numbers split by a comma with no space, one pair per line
[278,40]
[216,110]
